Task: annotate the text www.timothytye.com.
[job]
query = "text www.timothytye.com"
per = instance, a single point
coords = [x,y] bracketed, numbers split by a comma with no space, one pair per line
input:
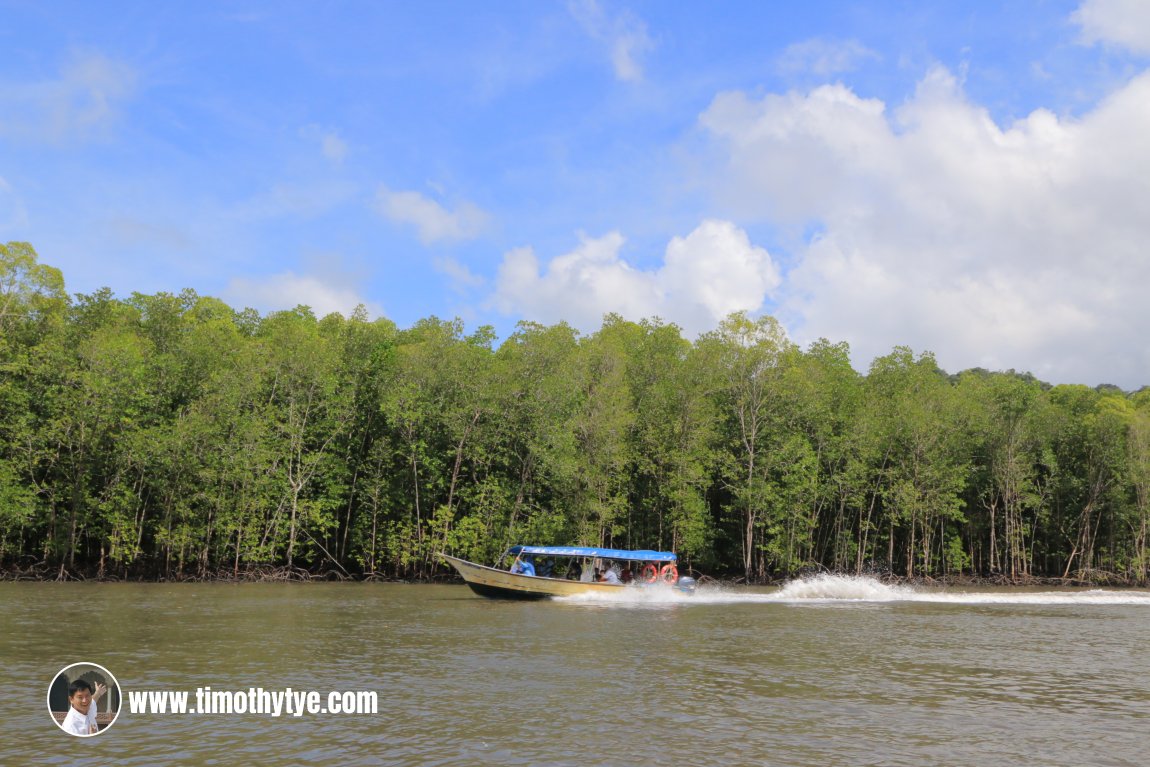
[254,700]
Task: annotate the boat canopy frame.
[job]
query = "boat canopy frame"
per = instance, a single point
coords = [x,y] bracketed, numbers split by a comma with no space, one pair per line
[627,555]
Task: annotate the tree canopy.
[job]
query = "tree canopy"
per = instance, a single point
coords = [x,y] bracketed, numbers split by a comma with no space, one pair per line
[171,436]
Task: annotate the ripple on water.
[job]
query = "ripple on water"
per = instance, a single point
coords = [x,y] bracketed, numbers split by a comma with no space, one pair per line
[892,676]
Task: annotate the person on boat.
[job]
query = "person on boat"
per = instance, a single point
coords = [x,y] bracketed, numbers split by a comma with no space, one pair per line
[627,576]
[609,576]
[523,566]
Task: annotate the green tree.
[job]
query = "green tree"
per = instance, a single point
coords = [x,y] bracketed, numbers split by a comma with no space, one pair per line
[1138,470]
[93,387]
[308,411]
[676,441]
[927,470]
[1009,436]
[1089,441]
[601,427]
[367,369]
[746,357]
[31,293]
[536,400]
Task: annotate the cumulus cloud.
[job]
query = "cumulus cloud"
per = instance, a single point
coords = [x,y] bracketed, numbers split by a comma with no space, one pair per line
[1004,247]
[1125,23]
[78,105]
[713,271]
[624,36]
[288,290]
[431,220]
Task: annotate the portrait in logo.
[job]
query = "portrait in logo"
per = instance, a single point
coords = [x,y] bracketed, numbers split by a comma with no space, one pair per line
[84,699]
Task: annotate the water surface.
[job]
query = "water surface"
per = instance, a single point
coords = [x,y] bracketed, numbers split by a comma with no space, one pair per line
[832,671]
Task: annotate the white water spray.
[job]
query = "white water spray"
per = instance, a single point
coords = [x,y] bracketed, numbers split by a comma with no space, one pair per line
[845,589]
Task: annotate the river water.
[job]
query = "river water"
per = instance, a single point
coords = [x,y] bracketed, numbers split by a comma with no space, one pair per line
[829,671]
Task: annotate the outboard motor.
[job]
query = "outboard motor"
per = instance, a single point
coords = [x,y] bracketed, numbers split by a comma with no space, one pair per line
[686,584]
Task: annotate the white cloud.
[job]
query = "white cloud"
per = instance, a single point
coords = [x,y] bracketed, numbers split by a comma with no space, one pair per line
[1122,22]
[288,290]
[713,271]
[1004,247]
[706,275]
[624,35]
[824,57]
[79,105]
[431,220]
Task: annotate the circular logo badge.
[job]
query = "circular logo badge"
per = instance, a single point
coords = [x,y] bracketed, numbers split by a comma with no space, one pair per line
[84,699]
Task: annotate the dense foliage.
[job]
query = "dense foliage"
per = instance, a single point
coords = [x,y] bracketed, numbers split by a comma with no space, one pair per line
[171,436]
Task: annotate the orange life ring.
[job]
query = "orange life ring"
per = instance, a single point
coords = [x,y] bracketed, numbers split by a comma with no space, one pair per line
[650,573]
[669,573]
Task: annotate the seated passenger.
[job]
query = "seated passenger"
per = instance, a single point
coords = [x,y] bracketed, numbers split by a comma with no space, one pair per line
[627,576]
[609,576]
[523,566]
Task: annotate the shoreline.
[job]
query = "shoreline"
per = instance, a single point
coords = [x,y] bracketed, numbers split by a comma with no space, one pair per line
[302,576]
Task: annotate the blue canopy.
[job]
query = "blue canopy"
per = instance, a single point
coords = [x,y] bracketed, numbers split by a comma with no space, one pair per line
[587,551]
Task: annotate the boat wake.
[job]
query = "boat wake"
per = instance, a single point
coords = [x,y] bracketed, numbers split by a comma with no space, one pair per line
[843,589]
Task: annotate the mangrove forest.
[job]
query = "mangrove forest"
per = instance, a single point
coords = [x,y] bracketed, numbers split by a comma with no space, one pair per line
[175,437]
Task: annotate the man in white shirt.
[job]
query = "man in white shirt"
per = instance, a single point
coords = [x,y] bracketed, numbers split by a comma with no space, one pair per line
[81,718]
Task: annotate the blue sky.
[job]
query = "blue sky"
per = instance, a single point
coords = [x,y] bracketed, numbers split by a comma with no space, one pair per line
[964,178]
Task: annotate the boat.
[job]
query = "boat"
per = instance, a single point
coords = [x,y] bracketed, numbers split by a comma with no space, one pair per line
[564,571]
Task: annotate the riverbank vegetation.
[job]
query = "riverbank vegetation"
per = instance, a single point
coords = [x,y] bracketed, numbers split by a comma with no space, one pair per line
[171,436]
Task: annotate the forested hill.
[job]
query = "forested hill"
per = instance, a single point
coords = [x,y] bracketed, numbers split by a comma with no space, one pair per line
[169,436]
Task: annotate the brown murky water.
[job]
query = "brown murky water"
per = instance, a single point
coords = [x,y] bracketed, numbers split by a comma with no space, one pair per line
[831,672]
